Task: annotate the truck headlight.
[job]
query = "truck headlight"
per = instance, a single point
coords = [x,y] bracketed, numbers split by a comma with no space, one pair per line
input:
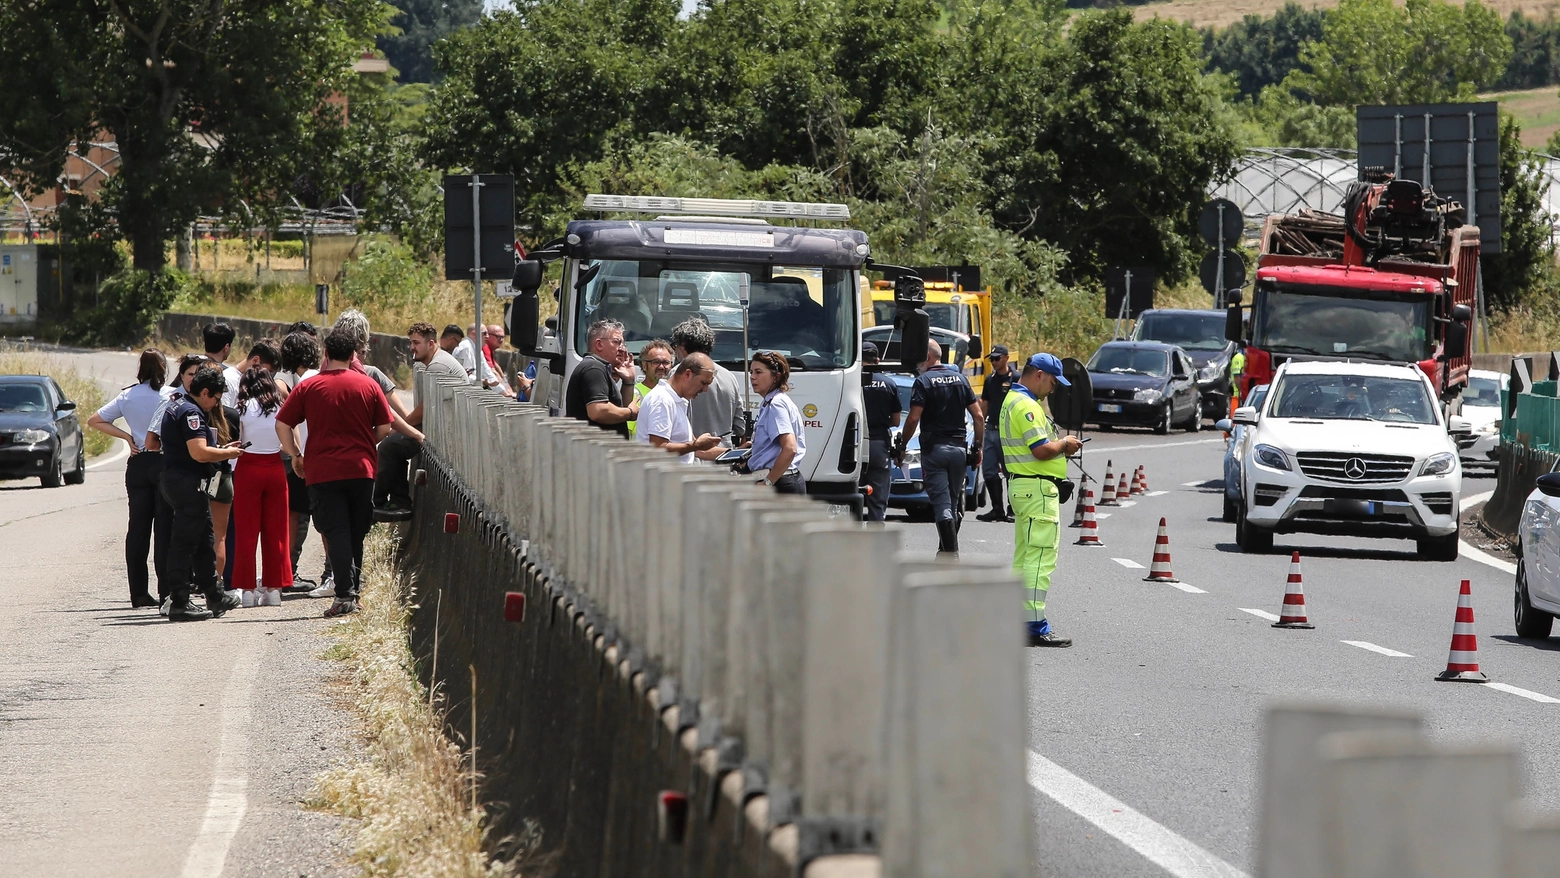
[1208,372]
[1271,457]
[1147,394]
[30,437]
[1439,463]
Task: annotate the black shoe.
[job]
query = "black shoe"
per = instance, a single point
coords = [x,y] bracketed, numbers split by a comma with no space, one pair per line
[143,600]
[1049,639]
[188,613]
[222,601]
[947,538]
[993,515]
[392,511]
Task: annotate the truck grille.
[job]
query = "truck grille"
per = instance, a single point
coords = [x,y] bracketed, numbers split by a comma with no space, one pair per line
[1355,468]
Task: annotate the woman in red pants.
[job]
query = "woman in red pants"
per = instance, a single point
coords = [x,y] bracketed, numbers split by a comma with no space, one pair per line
[260,494]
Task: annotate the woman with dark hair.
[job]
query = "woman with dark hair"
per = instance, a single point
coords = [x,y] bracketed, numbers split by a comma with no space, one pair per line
[779,441]
[260,494]
[150,515]
[300,359]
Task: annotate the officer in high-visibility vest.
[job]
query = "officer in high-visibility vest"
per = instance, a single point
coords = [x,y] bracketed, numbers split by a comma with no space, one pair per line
[1035,455]
[1237,368]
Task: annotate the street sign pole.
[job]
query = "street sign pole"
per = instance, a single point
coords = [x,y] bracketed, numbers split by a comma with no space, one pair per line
[476,257]
[1126,306]
[1218,284]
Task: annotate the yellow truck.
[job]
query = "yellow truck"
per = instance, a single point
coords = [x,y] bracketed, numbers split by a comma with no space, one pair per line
[951,306]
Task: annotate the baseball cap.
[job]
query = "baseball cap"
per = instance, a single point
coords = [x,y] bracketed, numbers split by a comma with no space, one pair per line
[869,350]
[1049,364]
[997,350]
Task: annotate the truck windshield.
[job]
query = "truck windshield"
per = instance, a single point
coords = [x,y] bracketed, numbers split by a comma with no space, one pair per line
[807,314]
[1353,397]
[1333,321]
[1189,330]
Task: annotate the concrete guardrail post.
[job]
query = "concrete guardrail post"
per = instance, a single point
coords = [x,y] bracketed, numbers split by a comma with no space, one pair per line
[1532,842]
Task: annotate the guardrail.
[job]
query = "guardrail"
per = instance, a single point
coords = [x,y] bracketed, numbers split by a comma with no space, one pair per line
[709,678]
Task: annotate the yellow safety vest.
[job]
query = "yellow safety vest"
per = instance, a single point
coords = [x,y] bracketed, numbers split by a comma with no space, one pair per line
[1022,424]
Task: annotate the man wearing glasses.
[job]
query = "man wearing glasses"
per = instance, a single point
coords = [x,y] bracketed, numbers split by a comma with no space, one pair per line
[656,361]
[602,380]
[493,377]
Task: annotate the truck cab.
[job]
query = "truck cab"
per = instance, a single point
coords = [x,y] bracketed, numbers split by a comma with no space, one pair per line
[950,306]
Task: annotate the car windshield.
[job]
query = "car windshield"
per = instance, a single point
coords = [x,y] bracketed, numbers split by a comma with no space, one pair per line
[955,349]
[23,398]
[942,315]
[1331,322]
[1187,329]
[1481,391]
[807,314]
[1353,398]
[1124,360]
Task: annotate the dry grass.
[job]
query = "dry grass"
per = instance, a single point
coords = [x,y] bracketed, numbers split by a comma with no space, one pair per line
[80,389]
[1526,328]
[412,792]
[1537,111]
[1221,13]
[1072,322]
[446,302]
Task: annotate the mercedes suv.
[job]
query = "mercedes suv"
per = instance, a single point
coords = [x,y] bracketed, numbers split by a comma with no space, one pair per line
[1349,449]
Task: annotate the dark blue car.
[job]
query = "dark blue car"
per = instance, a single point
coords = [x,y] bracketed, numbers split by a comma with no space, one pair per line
[907,491]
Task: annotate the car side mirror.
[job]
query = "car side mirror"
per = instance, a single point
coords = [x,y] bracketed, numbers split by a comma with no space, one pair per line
[1548,484]
[1245,415]
[1458,424]
[1224,425]
[67,406]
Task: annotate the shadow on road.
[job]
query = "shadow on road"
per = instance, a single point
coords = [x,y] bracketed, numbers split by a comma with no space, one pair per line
[1547,645]
[1280,548]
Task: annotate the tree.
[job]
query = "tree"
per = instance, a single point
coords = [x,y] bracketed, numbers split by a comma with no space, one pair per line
[1259,52]
[1534,51]
[420,24]
[214,104]
[1526,256]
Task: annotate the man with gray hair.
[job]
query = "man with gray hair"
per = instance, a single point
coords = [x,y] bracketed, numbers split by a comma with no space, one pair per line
[663,415]
[355,322]
[603,380]
[719,410]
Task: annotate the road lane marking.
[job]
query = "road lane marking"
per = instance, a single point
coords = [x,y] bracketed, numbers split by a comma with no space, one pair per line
[1129,563]
[1127,503]
[1261,614]
[1155,493]
[1473,552]
[1524,693]
[1374,648]
[119,454]
[1155,843]
[229,797]
[1465,503]
[1196,484]
[1189,589]
[1101,515]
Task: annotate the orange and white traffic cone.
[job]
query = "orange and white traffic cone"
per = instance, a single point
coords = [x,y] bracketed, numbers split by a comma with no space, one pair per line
[1142,485]
[1293,613]
[1137,481]
[1121,489]
[1159,568]
[1090,535]
[1108,487]
[1462,665]
[1083,496]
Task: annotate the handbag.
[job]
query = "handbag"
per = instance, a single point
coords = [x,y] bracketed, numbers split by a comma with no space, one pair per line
[220,487]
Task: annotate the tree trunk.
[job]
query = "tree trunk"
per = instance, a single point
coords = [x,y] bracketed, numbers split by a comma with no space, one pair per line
[142,216]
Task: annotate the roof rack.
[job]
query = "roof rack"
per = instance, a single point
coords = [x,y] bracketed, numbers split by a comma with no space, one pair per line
[718,207]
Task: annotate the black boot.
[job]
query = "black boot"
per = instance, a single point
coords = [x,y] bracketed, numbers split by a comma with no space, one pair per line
[948,538]
[996,512]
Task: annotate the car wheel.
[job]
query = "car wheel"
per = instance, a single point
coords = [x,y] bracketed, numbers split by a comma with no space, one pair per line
[79,474]
[1163,427]
[1194,423]
[1439,548]
[55,477]
[1531,623]
[1230,510]
[1253,540]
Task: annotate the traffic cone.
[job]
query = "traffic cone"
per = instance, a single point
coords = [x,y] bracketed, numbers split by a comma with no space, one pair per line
[1083,495]
[1293,613]
[1108,487]
[1462,665]
[1137,481]
[1142,485]
[1121,489]
[1159,568]
[1090,535]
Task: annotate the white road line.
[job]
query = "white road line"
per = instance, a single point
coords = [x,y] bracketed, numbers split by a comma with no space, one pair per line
[1160,846]
[1260,614]
[1155,493]
[1126,504]
[1101,515]
[229,796]
[1530,695]
[1474,554]
[1197,484]
[1129,563]
[1374,648]
[1112,449]
[120,453]
[1467,502]
[1189,589]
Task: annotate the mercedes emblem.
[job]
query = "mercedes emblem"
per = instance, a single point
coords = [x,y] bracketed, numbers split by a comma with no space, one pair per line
[1354,468]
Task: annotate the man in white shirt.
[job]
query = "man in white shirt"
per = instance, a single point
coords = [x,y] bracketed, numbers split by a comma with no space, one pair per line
[392,492]
[219,344]
[663,416]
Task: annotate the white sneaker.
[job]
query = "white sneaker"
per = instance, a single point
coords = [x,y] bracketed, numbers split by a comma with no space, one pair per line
[273,597]
[248,599]
[166,603]
[326,589]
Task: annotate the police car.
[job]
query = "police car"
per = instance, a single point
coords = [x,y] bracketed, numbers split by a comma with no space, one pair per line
[907,491]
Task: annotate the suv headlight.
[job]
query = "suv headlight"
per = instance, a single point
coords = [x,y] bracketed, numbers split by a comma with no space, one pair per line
[1271,457]
[30,437]
[1439,463]
[1209,372]
[1147,394]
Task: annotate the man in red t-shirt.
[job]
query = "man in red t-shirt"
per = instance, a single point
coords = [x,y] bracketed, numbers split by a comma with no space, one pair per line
[347,415]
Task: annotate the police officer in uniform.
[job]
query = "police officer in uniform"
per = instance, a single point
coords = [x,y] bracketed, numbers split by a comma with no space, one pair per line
[991,396]
[1035,454]
[189,458]
[881,399]
[940,399]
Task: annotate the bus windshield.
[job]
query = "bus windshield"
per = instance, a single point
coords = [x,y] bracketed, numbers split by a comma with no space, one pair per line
[1334,321]
[1190,330]
[807,314]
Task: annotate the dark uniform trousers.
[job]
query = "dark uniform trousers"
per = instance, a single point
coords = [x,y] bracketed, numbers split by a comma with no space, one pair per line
[150,516]
[343,512]
[192,560]
[878,477]
[396,452]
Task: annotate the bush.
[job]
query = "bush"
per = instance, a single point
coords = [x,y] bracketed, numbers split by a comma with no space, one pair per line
[128,304]
[388,277]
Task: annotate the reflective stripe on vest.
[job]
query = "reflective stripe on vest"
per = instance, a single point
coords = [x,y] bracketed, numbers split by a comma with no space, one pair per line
[1023,423]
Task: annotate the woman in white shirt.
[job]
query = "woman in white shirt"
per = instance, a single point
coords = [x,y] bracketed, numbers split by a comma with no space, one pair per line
[260,494]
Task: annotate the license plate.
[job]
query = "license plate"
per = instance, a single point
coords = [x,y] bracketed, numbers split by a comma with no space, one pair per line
[1110,407]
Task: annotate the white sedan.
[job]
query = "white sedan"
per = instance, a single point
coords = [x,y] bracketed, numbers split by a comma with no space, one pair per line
[1538,562]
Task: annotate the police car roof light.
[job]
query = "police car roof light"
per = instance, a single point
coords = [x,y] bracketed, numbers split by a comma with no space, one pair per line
[717,207]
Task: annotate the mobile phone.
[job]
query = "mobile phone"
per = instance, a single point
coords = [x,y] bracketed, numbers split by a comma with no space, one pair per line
[1086,439]
[733,455]
[246,445]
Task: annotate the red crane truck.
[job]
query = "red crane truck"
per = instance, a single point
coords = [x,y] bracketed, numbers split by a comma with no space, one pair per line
[1391,280]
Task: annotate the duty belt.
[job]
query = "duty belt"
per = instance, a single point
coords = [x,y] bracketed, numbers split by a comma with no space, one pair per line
[1052,479]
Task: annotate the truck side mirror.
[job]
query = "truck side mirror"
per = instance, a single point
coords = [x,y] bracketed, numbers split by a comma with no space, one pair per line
[1456,340]
[977,348]
[1462,313]
[526,309]
[1232,323]
[911,320]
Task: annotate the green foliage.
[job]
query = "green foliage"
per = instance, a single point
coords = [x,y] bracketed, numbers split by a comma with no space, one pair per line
[1535,52]
[388,276]
[1259,52]
[417,25]
[1428,51]
[1278,118]
[128,304]
[1526,257]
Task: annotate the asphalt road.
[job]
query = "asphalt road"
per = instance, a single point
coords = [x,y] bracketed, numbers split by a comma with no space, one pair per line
[1147,730]
[131,746]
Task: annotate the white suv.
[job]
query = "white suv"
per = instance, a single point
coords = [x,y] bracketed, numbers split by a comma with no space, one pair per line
[1349,449]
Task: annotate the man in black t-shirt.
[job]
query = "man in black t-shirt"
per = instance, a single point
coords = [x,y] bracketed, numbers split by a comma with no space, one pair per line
[603,380]
[997,383]
[189,458]
[938,402]
[881,398]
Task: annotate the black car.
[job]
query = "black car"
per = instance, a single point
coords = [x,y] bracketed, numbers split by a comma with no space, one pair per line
[1144,384]
[40,434]
[1201,335]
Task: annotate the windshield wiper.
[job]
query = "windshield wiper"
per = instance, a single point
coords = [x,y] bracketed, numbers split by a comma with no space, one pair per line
[1292,349]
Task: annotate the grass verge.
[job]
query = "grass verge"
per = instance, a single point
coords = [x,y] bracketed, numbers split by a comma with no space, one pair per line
[411,793]
[81,389]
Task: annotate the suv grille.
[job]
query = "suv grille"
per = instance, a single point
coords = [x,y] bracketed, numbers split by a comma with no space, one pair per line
[1355,468]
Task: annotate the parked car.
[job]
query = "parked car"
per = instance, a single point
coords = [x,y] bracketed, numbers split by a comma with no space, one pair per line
[1482,413]
[955,345]
[907,491]
[40,434]
[1201,335]
[1349,449]
[1144,384]
[1235,452]
[1538,560]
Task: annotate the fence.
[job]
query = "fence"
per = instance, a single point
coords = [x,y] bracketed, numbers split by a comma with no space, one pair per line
[391,353]
[709,678]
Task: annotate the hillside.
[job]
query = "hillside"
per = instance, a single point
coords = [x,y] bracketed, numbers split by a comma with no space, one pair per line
[1225,12]
[1537,110]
